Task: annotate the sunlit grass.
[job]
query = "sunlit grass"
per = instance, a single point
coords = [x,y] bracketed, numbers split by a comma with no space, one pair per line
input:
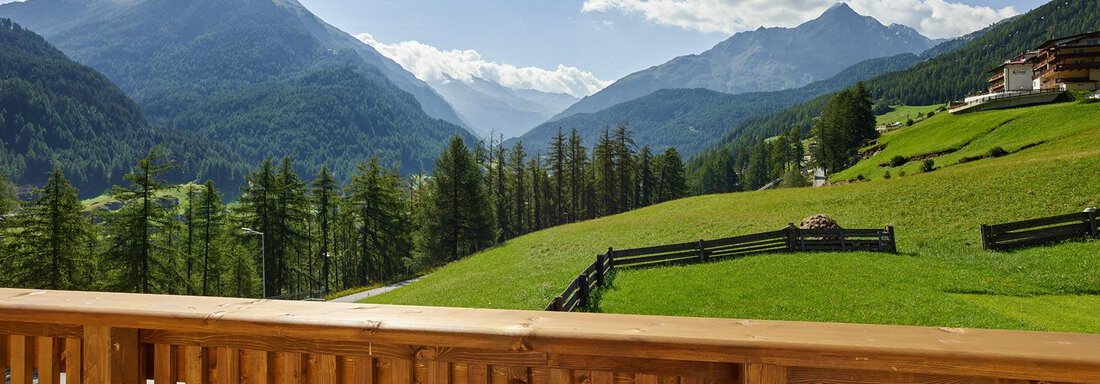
[941,265]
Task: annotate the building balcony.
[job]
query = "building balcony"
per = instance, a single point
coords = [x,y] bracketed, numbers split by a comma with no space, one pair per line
[1075,66]
[88,337]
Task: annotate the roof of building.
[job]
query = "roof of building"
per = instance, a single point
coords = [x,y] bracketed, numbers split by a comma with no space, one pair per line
[1060,41]
[1023,58]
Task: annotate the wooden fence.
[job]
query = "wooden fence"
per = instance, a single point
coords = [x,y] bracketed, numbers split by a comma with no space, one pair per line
[1039,231]
[578,293]
[101,338]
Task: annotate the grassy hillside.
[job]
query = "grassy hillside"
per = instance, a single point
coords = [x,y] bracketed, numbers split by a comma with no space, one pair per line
[948,139]
[941,277]
[902,113]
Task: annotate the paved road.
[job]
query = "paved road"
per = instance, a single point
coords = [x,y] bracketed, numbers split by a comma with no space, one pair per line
[373,292]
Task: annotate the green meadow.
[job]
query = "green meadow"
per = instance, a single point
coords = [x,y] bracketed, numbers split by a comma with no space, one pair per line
[941,277]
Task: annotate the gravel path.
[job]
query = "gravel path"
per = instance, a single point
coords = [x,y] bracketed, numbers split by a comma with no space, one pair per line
[373,292]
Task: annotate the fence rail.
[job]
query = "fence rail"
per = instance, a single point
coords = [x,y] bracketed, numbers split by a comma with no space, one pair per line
[1039,231]
[100,338]
[790,239]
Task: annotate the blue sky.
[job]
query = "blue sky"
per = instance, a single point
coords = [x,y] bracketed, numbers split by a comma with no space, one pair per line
[609,39]
[580,46]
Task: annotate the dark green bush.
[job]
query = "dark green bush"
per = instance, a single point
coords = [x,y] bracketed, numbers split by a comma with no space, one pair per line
[997,152]
[898,161]
[928,166]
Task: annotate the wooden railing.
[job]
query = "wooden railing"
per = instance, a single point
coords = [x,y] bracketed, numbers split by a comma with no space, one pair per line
[578,294]
[1040,231]
[125,338]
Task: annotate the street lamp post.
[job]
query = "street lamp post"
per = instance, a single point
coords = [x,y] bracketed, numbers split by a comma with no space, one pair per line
[263,256]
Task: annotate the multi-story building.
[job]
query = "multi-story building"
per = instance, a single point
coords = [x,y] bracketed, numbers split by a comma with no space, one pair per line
[1069,63]
[1014,75]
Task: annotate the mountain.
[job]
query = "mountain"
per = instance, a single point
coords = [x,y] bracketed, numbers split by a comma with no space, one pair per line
[948,73]
[491,108]
[768,59]
[56,112]
[265,77]
[691,119]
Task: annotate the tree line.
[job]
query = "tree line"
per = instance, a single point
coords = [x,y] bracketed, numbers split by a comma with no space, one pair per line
[287,236]
[832,137]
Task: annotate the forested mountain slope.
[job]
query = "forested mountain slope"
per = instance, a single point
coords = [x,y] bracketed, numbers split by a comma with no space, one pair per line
[234,71]
[56,112]
[692,119]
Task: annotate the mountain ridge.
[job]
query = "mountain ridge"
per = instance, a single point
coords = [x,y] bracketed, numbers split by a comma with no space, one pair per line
[760,60]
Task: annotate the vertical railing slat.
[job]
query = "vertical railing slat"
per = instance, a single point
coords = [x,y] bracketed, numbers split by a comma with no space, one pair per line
[111,355]
[74,361]
[229,365]
[49,360]
[196,366]
[403,371]
[22,359]
[258,371]
[763,374]
[164,364]
[3,353]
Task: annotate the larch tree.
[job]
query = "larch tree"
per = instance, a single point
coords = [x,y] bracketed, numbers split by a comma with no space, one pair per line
[48,252]
[460,223]
[142,217]
[325,189]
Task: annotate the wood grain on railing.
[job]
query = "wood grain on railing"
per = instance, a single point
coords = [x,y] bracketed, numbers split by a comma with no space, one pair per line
[127,338]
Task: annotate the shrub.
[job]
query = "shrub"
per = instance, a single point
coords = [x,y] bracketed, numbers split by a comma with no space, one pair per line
[997,152]
[886,176]
[898,161]
[860,177]
[928,166]
[901,173]
[931,113]
[909,123]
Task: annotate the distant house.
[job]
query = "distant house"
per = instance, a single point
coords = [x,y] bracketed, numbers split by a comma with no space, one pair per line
[1069,63]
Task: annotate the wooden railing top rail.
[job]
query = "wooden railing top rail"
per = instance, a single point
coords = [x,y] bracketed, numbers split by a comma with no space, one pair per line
[964,352]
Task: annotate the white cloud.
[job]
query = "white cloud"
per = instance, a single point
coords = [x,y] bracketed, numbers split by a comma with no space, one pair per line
[430,64]
[933,18]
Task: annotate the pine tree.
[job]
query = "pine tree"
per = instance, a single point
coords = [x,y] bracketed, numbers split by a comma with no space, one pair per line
[211,228]
[291,208]
[384,238]
[500,195]
[142,217]
[577,158]
[623,155]
[257,211]
[671,176]
[605,181]
[519,190]
[645,177]
[48,252]
[189,247]
[459,206]
[538,193]
[8,199]
[558,159]
[324,199]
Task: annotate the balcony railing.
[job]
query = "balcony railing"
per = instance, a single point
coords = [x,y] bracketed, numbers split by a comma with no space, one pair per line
[126,338]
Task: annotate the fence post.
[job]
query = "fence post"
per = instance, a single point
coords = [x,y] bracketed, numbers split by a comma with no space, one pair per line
[702,252]
[1092,222]
[556,304]
[582,290]
[792,233]
[986,241]
[892,239]
[599,270]
[610,258]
